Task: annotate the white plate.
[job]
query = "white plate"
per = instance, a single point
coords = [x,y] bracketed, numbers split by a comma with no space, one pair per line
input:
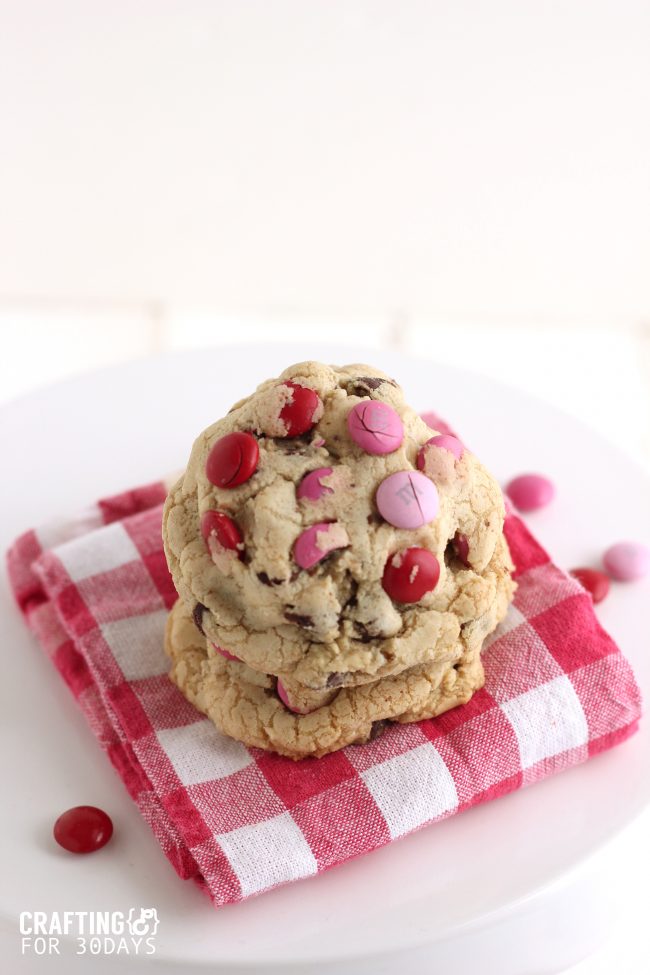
[65,446]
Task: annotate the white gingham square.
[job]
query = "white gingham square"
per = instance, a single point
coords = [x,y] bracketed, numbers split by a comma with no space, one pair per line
[112,547]
[268,853]
[199,752]
[512,620]
[420,774]
[547,720]
[137,644]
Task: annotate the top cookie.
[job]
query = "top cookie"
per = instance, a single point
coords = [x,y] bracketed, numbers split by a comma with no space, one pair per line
[318,533]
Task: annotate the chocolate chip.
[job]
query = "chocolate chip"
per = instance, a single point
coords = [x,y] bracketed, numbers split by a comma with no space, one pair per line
[372,382]
[304,621]
[351,601]
[450,553]
[267,581]
[296,445]
[374,518]
[337,680]
[364,636]
[365,385]
[197,616]
[378,728]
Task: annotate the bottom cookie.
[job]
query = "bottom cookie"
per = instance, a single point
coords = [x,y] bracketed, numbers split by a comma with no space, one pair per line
[232,696]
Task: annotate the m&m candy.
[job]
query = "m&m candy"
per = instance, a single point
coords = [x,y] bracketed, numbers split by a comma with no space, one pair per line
[284,697]
[83,829]
[528,492]
[410,574]
[225,653]
[220,528]
[407,499]
[442,442]
[302,412]
[596,583]
[312,488]
[232,460]
[375,427]
[317,541]
[627,561]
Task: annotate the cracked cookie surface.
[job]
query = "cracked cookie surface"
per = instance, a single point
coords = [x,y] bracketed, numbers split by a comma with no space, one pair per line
[245,705]
[330,622]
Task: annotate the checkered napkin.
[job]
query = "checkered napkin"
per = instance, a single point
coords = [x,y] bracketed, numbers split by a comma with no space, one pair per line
[95,591]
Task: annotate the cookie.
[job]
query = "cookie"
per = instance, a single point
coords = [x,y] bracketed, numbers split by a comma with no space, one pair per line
[322,532]
[245,704]
[480,617]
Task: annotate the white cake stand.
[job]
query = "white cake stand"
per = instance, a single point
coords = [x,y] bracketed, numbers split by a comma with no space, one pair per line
[513,887]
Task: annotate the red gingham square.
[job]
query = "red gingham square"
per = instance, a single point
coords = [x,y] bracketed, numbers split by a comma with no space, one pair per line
[71,607]
[121,506]
[533,599]
[526,552]
[355,822]
[242,798]
[296,782]
[240,821]
[607,712]
[572,634]
[480,753]
[395,739]
[445,724]
[72,666]
[163,703]
[27,587]
[191,821]
[132,717]
[108,592]
[535,664]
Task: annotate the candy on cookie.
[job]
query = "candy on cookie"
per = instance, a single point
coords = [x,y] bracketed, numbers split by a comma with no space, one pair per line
[335,544]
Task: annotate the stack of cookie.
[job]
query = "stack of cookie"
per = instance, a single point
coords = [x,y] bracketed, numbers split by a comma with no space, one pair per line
[339,564]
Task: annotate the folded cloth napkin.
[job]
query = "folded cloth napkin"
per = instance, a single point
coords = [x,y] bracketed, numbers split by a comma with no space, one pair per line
[95,591]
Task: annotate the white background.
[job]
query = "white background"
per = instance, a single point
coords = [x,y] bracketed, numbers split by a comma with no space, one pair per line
[467,180]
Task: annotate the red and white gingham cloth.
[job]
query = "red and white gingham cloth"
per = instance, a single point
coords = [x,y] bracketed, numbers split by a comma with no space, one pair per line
[96,591]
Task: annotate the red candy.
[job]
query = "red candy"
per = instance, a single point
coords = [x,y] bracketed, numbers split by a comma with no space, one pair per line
[300,414]
[232,460]
[410,574]
[214,524]
[83,829]
[596,583]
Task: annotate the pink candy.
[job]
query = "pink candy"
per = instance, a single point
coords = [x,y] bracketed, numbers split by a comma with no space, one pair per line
[375,427]
[528,492]
[311,486]
[627,561]
[284,697]
[225,653]
[444,442]
[452,444]
[317,541]
[407,499]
